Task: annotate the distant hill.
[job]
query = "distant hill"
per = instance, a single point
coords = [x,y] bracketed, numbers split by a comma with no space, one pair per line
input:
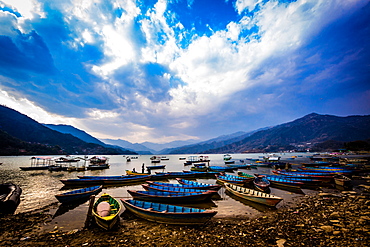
[10,145]
[148,147]
[140,149]
[28,130]
[214,143]
[68,129]
[302,133]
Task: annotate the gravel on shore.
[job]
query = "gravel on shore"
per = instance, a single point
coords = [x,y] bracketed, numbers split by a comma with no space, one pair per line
[324,219]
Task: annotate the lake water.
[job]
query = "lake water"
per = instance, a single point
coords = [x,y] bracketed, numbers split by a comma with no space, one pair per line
[39,187]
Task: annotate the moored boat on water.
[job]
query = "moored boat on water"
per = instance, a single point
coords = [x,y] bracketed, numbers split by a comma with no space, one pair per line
[253,195]
[170,197]
[168,214]
[78,194]
[186,186]
[39,163]
[9,198]
[279,181]
[151,187]
[108,180]
[228,179]
[106,211]
[203,185]
[221,168]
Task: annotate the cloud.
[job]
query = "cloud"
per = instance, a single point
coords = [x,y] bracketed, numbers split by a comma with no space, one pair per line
[170,69]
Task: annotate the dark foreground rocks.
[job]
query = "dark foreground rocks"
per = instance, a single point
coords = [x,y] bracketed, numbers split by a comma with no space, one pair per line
[325,219]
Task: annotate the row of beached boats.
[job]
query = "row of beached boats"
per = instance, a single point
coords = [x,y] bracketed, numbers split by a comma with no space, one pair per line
[157,201]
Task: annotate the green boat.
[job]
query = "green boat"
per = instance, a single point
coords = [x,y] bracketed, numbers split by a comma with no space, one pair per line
[108,217]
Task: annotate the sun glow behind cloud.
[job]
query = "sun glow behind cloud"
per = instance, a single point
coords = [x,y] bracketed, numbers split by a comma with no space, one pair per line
[152,70]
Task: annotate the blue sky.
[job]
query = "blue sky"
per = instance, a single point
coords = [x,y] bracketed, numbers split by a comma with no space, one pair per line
[161,70]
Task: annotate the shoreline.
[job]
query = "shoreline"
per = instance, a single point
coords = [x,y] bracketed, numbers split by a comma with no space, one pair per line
[331,218]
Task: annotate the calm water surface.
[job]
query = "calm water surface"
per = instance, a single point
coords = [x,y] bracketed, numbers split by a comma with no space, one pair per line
[39,187]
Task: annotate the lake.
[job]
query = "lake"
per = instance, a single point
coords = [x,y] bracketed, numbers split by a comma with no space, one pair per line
[39,187]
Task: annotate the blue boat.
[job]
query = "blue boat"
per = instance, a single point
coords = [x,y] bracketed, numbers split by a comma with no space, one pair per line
[78,194]
[105,181]
[228,179]
[281,181]
[149,187]
[170,197]
[186,186]
[179,174]
[221,168]
[200,185]
[168,214]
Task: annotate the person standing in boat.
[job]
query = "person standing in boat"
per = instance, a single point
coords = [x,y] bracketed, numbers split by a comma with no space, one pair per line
[142,168]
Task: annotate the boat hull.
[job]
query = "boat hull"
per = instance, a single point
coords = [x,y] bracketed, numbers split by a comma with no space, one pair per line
[170,197]
[10,198]
[78,194]
[163,213]
[107,222]
[253,195]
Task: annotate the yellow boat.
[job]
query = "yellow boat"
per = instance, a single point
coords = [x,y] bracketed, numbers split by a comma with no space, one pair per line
[128,172]
[110,217]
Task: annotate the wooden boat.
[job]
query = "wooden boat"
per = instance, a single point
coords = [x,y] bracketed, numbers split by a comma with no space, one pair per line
[261,183]
[78,194]
[9,198]
[342,180]
[155,159]
[106,211]
[229,162]
[200,185]
[196,159]
[253,195]
[105,180]
[179,174]
[128,172]
[221,168]
[316,175]
[155,167]
[97,166]
[227,157]
[199,168]
[246,175]
[170,197]
[246,179]
[186,186]
[39,163]
[151,187]
[99,160]
[168,214]
[304,180]
[281,181]
[226,179]
[240,166]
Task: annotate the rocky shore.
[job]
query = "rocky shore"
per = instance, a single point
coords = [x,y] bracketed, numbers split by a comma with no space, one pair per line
[324,219]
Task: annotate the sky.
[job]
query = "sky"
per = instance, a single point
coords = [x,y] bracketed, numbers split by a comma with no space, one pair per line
[161,71]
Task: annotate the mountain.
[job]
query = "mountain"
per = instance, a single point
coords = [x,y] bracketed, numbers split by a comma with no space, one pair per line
[214,143]
[28,130]
[302,133]
[10,145]
[141,149]
[158,147]
[68,129]
[148,147]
